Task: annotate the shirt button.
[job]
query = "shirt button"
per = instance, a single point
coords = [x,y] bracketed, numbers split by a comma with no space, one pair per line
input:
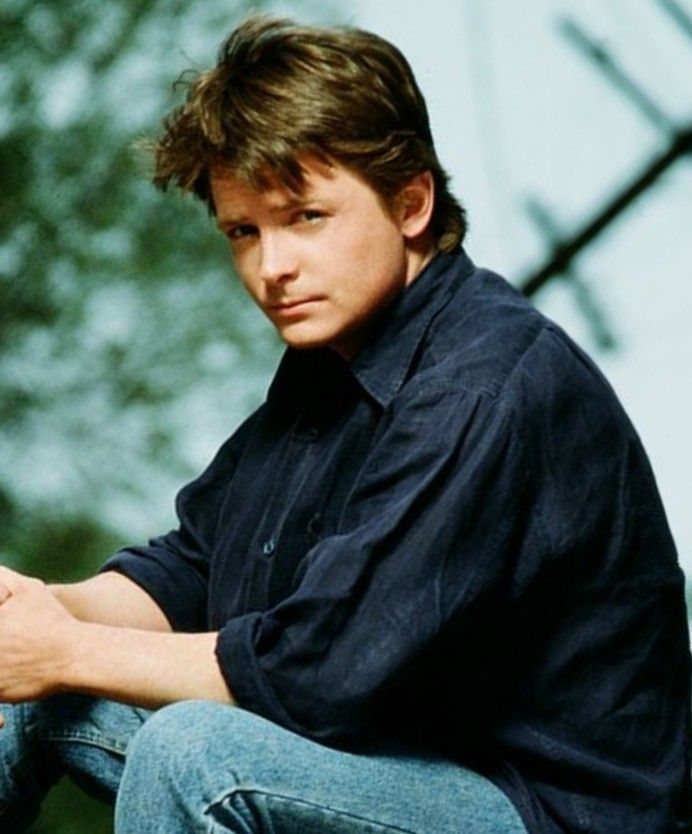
[269,547]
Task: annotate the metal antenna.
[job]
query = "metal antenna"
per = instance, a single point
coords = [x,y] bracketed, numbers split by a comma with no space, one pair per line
[679,15]
[564,249]
[598,323]
[604,60]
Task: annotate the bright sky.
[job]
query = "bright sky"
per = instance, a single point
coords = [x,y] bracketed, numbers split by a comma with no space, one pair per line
[519,113]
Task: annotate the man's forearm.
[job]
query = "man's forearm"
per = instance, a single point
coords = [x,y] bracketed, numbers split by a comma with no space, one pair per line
[145,668]
[111,599]
[121,649]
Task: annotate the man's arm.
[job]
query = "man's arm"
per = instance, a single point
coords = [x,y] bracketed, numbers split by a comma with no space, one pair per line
[112,599]
[146,668]
[46,649]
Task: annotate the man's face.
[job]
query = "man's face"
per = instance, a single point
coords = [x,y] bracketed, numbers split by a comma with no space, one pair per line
[320,264]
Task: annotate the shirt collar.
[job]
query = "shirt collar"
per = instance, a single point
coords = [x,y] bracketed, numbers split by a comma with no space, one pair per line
[382,363]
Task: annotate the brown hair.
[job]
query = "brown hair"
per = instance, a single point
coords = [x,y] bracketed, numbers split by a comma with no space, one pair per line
[279,90]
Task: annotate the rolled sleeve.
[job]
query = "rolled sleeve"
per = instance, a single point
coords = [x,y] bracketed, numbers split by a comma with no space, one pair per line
[175,578]
[424,533]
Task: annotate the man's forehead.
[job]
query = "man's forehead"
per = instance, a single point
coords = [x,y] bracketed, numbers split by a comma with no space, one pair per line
[279,178]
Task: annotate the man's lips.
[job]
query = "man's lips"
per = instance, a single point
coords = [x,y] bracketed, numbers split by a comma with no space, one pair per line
[292,304]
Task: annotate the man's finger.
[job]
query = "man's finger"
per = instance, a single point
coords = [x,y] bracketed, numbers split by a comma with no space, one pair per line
[5,594]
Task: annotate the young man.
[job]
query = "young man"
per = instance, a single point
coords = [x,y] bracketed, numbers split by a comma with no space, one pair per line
[428,586]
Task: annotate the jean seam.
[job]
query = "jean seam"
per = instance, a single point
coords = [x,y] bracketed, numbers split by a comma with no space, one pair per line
[228,794]
[112,745]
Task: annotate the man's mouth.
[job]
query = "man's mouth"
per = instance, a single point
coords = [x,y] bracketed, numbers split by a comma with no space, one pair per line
[292,304]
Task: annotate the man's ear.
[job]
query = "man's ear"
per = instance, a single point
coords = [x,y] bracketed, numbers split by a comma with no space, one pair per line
[414,205]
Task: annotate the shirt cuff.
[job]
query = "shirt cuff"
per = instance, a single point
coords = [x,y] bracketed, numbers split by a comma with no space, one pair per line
[246,680]
[181,598]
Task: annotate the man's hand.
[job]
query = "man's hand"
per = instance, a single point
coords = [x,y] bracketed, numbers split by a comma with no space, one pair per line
[36,636]
[44,649]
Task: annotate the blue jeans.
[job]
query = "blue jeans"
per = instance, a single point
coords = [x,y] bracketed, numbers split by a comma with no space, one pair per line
[198,766]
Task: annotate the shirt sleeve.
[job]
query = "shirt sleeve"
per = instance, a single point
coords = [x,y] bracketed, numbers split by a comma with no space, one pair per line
[425,533]
[174,569]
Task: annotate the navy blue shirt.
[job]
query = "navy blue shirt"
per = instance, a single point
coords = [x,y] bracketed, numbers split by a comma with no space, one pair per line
[454,541]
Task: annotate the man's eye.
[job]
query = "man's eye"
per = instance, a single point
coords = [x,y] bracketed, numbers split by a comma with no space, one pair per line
[309,215]
[240,232]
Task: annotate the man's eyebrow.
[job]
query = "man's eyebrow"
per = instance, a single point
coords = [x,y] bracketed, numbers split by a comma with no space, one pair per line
[293,202]
[286,205]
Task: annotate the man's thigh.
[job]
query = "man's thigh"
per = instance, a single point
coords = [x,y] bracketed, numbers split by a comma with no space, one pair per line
[203,766]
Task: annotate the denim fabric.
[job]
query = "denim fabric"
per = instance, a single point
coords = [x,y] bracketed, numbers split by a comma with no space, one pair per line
[454,541]
[42,740]
[197,766]
[207,767]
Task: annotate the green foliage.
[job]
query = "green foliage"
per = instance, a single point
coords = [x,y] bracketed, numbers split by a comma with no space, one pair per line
[68,810]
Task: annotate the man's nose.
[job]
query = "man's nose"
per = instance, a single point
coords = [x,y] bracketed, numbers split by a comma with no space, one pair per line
[279,260]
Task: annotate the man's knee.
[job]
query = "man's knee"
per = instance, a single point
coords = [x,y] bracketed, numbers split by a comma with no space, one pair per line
[210,745]
[181,760]
[191,740]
